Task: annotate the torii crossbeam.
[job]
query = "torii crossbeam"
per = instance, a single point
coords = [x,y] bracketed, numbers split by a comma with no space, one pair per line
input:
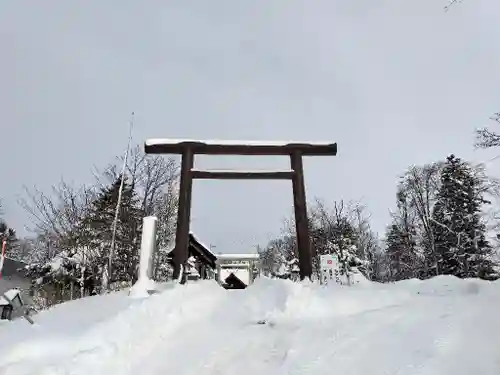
[189,148]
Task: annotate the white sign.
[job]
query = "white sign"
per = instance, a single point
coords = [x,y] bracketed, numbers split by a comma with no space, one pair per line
[329,266]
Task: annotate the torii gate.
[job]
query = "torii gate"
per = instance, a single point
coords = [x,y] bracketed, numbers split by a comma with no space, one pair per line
[189,148]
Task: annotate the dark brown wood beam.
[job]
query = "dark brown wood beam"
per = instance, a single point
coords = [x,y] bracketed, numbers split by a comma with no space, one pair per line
[180,254]
[241,175]
[301,220]
[176,146]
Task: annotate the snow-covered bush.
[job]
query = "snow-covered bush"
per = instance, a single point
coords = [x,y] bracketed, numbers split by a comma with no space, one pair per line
[349,262]
[66,276]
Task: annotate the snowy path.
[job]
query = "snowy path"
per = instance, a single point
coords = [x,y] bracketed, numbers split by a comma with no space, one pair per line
[408,339]
[389,330]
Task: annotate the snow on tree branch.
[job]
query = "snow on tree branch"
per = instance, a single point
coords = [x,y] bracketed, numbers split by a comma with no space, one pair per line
[451,3]
[486,138]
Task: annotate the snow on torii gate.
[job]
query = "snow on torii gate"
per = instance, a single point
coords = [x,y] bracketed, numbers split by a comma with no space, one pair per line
[189,148]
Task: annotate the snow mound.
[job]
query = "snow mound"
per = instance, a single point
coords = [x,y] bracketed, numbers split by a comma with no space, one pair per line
[120,334]
[445,285]
[439,326]
[143,288]
[286,301]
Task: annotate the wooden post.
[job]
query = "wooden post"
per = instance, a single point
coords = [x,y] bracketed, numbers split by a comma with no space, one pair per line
[301,221]
[180,252]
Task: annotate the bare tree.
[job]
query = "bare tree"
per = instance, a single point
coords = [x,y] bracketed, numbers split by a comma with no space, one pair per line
[164,207]
[342,224]
[337,220]
[58,224]
[58,218]
[488,186]
[421,184]
[451,3]
[486,138]
[278,252]
[155,180]
[58,215]
[368,244]
[150,176]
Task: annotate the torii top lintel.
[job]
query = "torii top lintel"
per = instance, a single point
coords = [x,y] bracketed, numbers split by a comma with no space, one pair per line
[218,147]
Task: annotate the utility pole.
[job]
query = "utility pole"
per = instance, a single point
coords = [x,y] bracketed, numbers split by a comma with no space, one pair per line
[118,203]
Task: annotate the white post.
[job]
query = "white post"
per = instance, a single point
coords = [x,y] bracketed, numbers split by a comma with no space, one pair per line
[145,284]
[148,246]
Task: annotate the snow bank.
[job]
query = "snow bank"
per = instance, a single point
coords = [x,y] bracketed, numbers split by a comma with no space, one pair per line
[440,326]
[126,328]
[69,319]
[447,285]
[284,300]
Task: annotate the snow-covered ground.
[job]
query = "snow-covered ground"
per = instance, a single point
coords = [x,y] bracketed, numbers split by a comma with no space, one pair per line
[436,327]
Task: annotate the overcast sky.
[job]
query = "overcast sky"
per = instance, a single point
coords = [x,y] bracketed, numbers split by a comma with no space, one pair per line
[394,82]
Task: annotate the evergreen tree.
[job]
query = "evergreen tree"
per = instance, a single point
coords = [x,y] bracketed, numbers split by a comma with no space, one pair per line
[459,232]
[12,245]
[98,227]
[401,240]
[401,253]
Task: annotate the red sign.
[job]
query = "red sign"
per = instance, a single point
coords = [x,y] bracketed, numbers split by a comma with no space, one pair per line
[329,261]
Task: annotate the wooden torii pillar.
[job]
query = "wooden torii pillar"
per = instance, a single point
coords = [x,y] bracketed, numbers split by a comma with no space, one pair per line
[189,148]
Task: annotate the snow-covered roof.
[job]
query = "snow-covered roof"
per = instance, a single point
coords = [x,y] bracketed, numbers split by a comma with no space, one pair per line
[202,244]
[249,256]
[240,273]
[234,265]
[10,294]
[222,257]
[171,245]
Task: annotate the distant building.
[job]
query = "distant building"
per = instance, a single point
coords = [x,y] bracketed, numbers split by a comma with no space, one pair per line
[232,271]
[233,282]
[202,263]
[13,277]
[237,271]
